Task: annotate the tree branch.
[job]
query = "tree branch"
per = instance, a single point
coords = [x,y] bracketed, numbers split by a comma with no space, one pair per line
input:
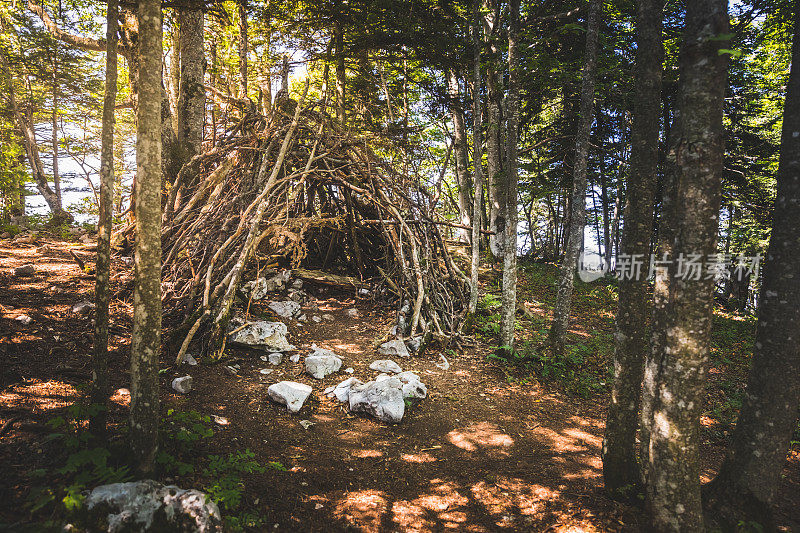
[85,43]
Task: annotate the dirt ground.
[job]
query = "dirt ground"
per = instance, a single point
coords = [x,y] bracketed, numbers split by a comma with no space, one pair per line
[479,454]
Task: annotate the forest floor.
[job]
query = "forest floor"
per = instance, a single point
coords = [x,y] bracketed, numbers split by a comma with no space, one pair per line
[495,445]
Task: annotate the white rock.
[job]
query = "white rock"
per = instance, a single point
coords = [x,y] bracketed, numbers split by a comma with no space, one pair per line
[289,393]
[266,371]
[295,358]
[381,399]
[297,284]
[328,317]
[182,384]
[385,365]
[442,364]
[275,358]
[189,360]
[24,319]
[413,387]
[221,420]
[261,334]
[150,506]
[349,370]
[316,319]
[321,362]
[83,308]
[302,318]
[394,348]
[306,423]
[342,390]
[286,309]
[363,292]
[255,289]
[352,313]
[232,370]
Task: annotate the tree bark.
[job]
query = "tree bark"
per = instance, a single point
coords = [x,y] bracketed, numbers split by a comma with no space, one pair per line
[192,98]
[495,177]
[560,324]
[509,294]
[100,387]
[341,74]
[461,150]
[146,337]
[673,484]
[620,468]
[54,127]
[748,480]
[477,157]
[243,48]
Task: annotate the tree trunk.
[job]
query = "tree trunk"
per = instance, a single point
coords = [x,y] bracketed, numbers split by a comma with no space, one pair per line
[620,468]
[100,387]
[477,157]
[673,484]
[32,153]
[341,74]
[495,181]
[54,127]
[460,149]
[192,99]
[509,294]
[748,480]
[146,337]
[558,329]
[243,46]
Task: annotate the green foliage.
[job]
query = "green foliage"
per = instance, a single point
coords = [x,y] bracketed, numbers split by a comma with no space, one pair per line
[86,464]
[180,434]
[227,486]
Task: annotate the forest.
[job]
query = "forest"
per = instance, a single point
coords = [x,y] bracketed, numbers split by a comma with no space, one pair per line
[400,265]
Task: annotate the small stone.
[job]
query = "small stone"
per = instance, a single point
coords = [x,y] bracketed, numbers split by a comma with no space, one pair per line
[24,319]
[442,364]
[221,420]
[86,239]
[290,394]
[188,359]
[261,334]
[295,358]
[381,399]
[25,271]
[352,313]
[286,309]
[83,308]
[306,423]
[342,391]
[297,284]
[385,365]
[318,506]
[275,358]
[411,384]
[321,362]
[349,370]
[328,317]
[231,370]
[316,319]
[363,292]
[395,348]
[182,384]
[302,318]
[266,371]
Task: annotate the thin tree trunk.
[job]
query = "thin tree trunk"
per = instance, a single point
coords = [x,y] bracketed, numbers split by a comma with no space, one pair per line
[146,337]
[243,47]
[341,74]
[620,468]
[745,488]
[560,324]
[100,387]
[461,150]
[495,177]
[477,157]
[192,99]
[673,484]
[54,126]
[509,294]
